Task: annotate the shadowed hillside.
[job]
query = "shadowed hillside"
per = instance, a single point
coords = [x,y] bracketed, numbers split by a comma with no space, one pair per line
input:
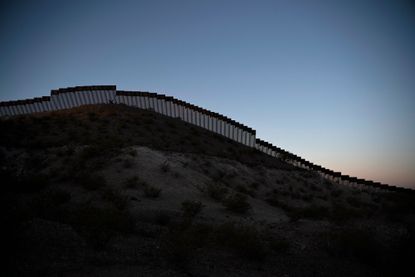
[110,190]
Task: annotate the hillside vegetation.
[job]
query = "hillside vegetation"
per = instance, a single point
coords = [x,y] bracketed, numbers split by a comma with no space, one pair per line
[109,190]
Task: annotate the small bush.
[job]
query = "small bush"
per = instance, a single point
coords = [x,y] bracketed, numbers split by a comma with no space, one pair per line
[245,190]
[220,175]
[132,152]
[66,151]
[237,203]
[341,213]
[244,241]
[274,201]
[91,182]
[354,201]
[99,225]
[217,191]
[132,183]
[279,245]
[279,181]
[254,185]
[162,218]
[152,192]
[323,197]
[307,197]
[92,116]
[89,152]
[356,244]
[336,193]
[312,212]
[314,187]
[48,204]
[180,244]
[191,208]
[29,183]
[127,163]
[119,200]
[165,167]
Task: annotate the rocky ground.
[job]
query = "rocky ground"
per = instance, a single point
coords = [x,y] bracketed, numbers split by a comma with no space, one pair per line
[114,191]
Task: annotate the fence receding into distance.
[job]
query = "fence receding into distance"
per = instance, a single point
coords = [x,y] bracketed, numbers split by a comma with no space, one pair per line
[66,98]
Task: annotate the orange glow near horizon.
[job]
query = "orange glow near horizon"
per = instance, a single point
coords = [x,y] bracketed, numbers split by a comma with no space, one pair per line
[391,174]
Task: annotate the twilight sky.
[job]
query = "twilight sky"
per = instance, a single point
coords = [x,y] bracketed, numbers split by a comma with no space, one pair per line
[331,81]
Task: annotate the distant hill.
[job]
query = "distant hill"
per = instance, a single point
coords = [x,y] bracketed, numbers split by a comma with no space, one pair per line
[111,190]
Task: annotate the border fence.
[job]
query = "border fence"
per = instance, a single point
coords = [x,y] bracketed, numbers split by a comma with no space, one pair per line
[66,98]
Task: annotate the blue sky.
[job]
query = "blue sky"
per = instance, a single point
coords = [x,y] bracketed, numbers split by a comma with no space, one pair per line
[332,81]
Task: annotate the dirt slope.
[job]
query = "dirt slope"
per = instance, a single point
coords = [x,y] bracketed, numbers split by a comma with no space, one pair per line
[114,191]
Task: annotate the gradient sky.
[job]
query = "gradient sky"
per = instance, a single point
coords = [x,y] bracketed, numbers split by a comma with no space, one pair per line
[331,81]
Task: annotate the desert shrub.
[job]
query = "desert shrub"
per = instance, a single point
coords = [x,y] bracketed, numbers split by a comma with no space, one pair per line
[232,174]
[314,187]
[58,196]
[220,175]
[307,174]
[395,205]
[285,193]
[242,189]
[91,181]
[127,163]
[354,201]
[99,225]
[279,245]
[191,208]
[254,185]
[336,193]
[171,124]
[327,184]
[244,241]
[47,205]
[275,202]
[35,161]
[340,213]
[162,218]
[323,197]
[165,167]
[307,197]
[303,182]
[152,192]
[179,245]
[278,181]
[237,203]
[194,131]
[92,116]
[356,244]
[216,191]
[66,151]
[115,197]
[296,195]
[132,182]
[89,152]
[356,192]
[28,183]
[311,212]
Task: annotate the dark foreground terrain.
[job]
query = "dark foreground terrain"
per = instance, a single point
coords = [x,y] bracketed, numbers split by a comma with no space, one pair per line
[115,191]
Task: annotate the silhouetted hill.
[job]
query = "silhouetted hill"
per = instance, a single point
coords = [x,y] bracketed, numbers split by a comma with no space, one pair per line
[110,190]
